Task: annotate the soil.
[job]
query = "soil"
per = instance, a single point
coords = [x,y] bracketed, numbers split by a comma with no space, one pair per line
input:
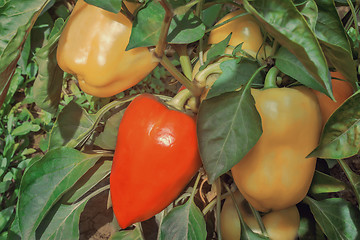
[96,219]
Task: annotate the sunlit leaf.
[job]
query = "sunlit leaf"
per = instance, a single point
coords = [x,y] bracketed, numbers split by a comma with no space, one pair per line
[17,18]
[323,183]
[46,181]
[310,11]
[286,24]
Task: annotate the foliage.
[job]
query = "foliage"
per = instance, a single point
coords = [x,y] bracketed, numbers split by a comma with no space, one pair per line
[57,142]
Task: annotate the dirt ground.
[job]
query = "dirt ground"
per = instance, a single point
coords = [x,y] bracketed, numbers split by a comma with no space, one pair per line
[96,219]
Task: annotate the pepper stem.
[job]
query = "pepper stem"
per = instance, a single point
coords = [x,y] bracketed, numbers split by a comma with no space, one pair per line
[270,79]
[184,59]
[200,78]
[179,100]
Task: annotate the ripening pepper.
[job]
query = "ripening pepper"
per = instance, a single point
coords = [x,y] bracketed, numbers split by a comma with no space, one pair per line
[275,174]
[342,90]
[156,156]
[92,47]
[244,30]
[280,225]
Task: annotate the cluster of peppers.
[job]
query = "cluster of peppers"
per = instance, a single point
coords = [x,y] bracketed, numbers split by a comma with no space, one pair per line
[157,149]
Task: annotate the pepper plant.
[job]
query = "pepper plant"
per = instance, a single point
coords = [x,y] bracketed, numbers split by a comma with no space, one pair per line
[210,119]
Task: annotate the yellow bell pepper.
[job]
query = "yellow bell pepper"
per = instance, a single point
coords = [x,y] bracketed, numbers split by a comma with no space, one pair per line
[279,225]
[275,174]
[244,30]
[92,47]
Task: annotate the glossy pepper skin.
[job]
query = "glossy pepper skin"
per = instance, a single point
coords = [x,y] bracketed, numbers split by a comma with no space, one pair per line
[280,225]
[92,47]
[244,30]
[275,174]
[155,157]
[342,90]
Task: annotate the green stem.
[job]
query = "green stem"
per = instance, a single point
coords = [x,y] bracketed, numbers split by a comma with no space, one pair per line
[353,178]
[213,203]
[235,204]
[354,16]
[196,91]
[184,60]
[200,78]
[199,14]
[218,206]
[270,79]
[258,219]
[248,85]
[274,48]
[162,43]
[179,100]
[195,186]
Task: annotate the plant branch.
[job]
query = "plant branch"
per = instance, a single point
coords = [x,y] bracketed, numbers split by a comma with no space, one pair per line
[162,43]
[196,91]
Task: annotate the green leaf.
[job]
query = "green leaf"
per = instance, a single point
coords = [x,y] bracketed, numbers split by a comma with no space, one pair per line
[228,127]
[46,181]
[287,63]
[234,75]
[48,83]
[25,128]
[14,232]
[341,135]
[210,14]
[215,52]
[353,178]
[186,28]
[107,138]
[333,39]
[4,186]
[286,24]
[310,11]
[92,177]
[17,18]
[5,216]
[134,234]
[337,218]
[323,183]
[183,222]
[73,125]
[61,222]
[113,6]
